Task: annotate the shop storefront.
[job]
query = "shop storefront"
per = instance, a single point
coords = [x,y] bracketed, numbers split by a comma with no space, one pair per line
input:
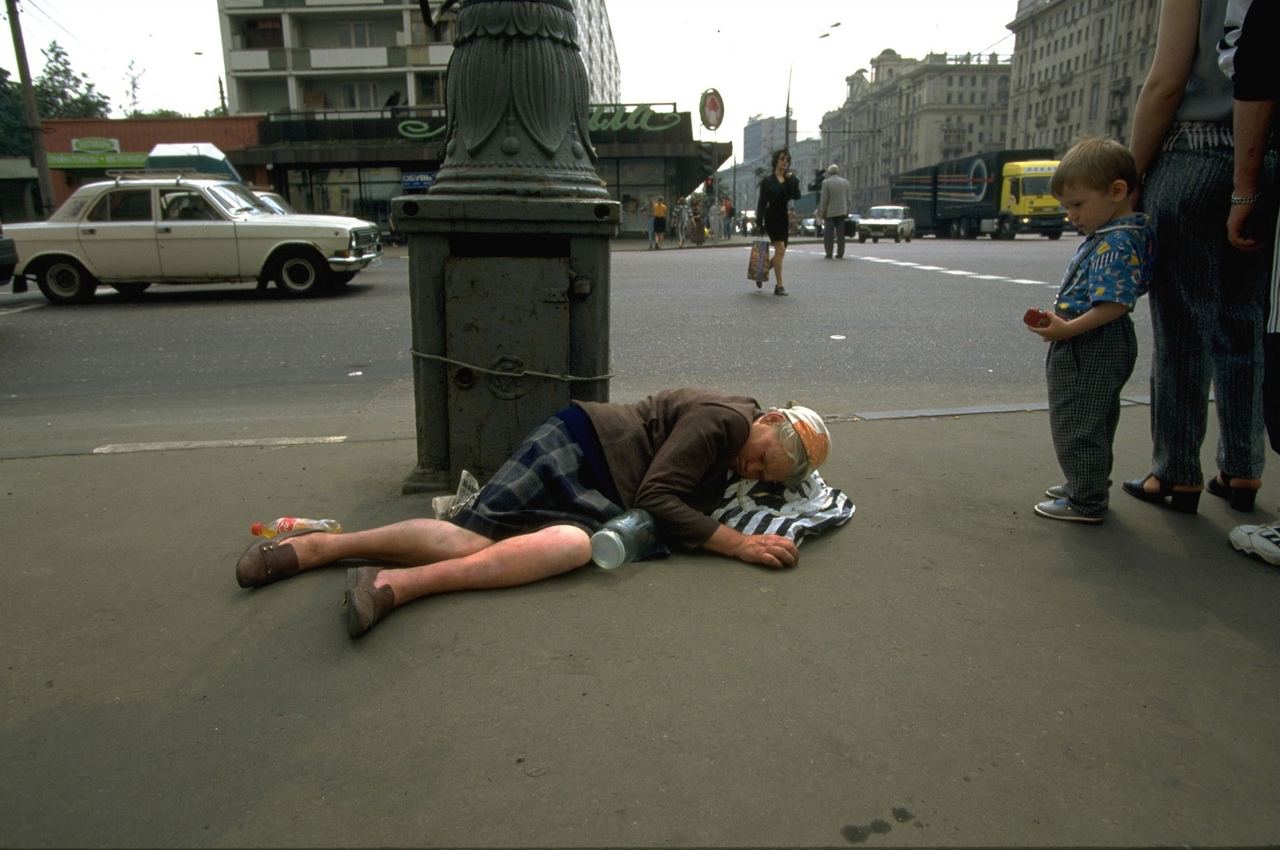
[328,163]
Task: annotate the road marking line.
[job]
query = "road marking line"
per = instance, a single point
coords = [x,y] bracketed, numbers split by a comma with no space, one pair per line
[1024,280]
[20,309]
[929,268]
[183,445]
[990,277]
[958,272]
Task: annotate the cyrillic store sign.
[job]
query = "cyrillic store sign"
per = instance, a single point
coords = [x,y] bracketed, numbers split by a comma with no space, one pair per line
[605,122]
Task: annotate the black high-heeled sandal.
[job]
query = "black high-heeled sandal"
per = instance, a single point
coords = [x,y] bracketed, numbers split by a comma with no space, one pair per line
[1182,501]
[1240,498]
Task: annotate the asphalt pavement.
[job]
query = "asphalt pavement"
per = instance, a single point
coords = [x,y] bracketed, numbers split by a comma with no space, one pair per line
[947,669]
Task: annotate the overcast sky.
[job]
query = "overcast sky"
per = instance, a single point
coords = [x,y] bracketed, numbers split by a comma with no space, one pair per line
[669,50]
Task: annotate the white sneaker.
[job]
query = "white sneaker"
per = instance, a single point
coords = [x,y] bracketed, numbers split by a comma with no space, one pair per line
[1260,540]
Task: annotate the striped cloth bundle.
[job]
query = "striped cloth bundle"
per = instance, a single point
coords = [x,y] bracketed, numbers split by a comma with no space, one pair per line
[792,510]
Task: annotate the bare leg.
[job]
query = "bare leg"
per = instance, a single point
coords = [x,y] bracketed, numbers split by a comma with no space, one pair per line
[507,563]
[414,541]
[779,251]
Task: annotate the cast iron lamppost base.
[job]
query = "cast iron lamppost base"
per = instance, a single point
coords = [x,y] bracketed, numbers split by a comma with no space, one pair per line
[509,250]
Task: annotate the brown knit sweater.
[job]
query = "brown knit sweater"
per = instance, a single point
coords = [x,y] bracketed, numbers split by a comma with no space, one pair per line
[669,454]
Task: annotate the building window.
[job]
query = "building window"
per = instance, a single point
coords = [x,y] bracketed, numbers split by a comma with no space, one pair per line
[263,33]
[355,34]
[360,96]
[430,89]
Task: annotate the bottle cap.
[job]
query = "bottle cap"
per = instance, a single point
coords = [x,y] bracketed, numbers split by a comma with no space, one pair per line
[608,550]
[255,529]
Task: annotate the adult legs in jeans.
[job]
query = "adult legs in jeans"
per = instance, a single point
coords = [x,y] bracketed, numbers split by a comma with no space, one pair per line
[1206,313]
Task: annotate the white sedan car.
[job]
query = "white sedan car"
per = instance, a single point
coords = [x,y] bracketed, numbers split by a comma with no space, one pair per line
[133,231]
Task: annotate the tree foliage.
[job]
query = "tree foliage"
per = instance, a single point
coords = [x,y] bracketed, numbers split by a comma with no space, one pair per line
[63,93]
[15,140]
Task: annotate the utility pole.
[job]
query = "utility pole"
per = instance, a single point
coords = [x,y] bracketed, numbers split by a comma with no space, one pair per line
[38,155]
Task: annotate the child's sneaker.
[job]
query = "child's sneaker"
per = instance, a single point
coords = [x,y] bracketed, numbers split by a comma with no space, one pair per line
[1260,540]
[1061,509]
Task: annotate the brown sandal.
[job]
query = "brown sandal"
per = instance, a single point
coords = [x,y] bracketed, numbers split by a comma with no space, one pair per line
[365,603]
[266,561]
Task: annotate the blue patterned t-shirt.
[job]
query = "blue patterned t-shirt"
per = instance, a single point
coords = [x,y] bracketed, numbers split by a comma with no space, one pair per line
[1114,264]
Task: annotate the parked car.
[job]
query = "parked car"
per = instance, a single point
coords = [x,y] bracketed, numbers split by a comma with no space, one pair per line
[811,226]
[8,261]
[886,221]
[136,230]
[274,202]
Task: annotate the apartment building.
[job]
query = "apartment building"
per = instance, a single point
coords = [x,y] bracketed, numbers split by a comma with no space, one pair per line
[1077,68]
[364,55]
[910,112]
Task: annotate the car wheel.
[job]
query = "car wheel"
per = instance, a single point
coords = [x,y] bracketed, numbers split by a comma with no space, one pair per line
[130,290]
[875,240]
[1055,235]
[862,237]
[64,281]
[897,237]
[300,272]
[907,237]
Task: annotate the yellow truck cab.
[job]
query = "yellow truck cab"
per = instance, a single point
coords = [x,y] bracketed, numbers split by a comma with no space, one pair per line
[1026,205]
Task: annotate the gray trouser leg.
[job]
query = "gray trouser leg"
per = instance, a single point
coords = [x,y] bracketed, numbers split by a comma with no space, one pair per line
[1085,375]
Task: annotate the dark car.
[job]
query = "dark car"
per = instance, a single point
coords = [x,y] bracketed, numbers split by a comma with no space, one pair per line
[8,260]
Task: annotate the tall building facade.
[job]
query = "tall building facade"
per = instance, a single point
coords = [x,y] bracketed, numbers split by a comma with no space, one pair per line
[911,112]
[1077,69]
[354,55]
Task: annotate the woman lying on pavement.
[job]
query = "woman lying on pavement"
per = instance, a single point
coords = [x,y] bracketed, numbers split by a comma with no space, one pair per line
[669,454]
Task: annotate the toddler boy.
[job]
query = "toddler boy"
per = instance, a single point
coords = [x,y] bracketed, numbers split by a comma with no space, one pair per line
[1092,345]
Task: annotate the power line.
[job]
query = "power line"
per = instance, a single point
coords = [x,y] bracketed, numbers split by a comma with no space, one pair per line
[55,22]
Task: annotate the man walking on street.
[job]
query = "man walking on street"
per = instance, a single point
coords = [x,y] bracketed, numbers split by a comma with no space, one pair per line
[833,209]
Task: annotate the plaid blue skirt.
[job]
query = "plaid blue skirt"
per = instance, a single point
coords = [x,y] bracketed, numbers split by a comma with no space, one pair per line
[543,483]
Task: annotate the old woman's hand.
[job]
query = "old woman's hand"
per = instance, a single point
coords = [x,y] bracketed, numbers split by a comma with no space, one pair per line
[771,550]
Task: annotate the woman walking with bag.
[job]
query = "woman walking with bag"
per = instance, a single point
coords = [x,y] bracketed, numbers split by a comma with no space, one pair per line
[776,191]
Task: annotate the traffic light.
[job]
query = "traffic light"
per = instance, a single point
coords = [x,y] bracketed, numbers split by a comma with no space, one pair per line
[707,157]
[818,176]
[709,187]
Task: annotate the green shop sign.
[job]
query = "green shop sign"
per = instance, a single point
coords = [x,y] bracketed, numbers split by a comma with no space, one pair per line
[97,160]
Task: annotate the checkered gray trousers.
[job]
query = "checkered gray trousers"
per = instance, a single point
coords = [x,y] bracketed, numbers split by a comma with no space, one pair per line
[1085,375]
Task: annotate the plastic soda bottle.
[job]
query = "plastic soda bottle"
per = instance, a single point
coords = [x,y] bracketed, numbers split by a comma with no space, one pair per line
[285,524]
[623,539]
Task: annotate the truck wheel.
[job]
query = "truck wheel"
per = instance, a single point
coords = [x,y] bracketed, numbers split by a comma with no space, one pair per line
[299,272]
[64,281]
[862,237]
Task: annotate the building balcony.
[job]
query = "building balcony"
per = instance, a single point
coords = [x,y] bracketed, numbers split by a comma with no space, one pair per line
[1120,85]
[1064,79]
[324,58]
[269,59]
[1062,116]
[1117,115]
[1042,120]
[426,55]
